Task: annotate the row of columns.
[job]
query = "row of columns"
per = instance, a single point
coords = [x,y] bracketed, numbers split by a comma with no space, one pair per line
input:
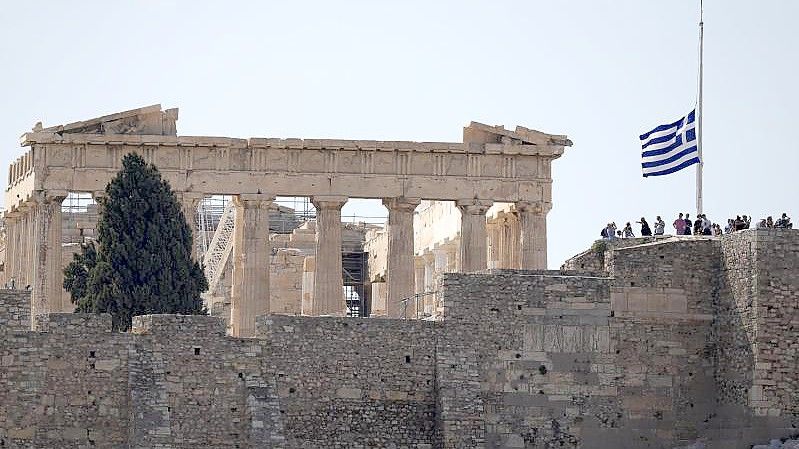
[34,236]
[33,251]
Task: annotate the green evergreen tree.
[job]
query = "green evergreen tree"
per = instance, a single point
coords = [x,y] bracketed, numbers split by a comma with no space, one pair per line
[142,263]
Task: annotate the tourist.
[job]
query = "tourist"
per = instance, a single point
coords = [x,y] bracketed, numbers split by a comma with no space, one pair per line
[698,225]
[770,222]
[688,225]
[706,226]
[609,232]
[660,226]
[628,231]
[679,225]
[763,224]
[738,224]
[784,222]
[645,230]
[730,226]
[747,221]
[716,229]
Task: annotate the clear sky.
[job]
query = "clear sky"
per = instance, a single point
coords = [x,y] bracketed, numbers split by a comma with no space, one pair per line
[601,72]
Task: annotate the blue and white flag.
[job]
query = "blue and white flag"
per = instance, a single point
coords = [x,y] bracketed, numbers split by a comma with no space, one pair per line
[670,148]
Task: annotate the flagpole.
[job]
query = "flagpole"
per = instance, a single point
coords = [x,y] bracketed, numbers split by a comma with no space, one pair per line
[701,163]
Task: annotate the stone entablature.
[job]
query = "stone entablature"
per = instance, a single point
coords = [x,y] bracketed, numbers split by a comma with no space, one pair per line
[502,172]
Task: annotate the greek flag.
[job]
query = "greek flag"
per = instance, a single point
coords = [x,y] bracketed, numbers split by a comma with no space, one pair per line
[670,148]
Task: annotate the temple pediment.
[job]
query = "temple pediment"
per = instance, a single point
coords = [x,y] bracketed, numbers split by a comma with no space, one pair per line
[486,134]
[149,120]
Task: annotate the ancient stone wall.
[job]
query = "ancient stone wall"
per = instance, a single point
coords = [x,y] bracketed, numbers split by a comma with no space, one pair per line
[759,321]
[547,364]
[179,382]
[353,382]
[15,310]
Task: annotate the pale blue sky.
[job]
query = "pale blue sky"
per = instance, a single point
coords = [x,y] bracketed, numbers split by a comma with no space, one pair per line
[601,72]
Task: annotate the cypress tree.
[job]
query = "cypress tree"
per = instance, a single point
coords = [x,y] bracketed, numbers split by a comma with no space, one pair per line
[142,264]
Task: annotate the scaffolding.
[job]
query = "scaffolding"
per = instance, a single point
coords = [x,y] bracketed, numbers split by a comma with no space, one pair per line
[354,272]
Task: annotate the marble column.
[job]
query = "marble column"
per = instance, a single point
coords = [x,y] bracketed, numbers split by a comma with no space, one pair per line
[452,251]
[510,241]
[12,229]
[473,251]
[251,256]
[399,267]
[50,252]
[533,234]
[328,297]
[429,271]
[418,269]
[189,201]
[495,249]
[23,237]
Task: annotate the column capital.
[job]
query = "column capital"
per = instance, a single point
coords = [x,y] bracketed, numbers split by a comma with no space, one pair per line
[11,214]
[535,207]
[418,262]
[328,201]
[52,195]
[97,194]
[402,204]
[474,206]
[253,200]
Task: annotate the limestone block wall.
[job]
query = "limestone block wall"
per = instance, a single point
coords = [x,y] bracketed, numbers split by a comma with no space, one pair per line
[65,385]
[15,310]
[179,382]
[538,360]
[759,321]
[285,279]
[435,223]
[354,382]
[564,359]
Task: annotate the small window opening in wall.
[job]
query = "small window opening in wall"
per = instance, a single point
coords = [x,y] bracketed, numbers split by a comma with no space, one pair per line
[632,284]
[91,354]
[196,351]
[407,359]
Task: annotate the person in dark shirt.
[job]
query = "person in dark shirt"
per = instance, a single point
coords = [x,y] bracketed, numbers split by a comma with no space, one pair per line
[645,230]
[738,224]
[688,225]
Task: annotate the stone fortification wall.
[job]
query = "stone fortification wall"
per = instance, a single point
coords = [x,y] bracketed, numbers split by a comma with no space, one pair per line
[353,382]
[759,321]
[15,310]
[179,382]
[540,360]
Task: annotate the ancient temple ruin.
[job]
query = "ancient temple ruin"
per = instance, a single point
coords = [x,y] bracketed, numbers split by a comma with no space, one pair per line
[509,170]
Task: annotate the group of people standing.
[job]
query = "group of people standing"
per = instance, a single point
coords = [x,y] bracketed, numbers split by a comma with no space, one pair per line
[700,226]
[610,231]
[683,225]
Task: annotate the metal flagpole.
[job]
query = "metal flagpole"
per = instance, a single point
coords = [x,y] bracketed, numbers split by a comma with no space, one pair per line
[701,163]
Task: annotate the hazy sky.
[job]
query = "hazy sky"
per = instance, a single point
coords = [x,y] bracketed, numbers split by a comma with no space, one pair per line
[601,72]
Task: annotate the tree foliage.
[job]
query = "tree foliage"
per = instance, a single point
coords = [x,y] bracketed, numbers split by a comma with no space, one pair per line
[142,262]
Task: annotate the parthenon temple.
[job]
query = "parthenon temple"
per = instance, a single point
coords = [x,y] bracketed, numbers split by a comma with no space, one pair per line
[267,212]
